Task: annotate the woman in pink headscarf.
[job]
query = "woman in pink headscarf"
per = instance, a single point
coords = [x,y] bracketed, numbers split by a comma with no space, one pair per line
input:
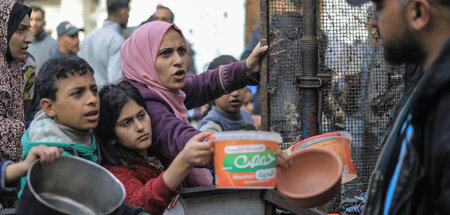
[154,60]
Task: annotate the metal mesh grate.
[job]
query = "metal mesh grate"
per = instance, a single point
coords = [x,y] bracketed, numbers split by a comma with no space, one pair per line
[283,94]
[363,85]
[360,91]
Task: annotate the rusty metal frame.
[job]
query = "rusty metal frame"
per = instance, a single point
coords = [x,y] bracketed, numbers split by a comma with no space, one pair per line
[265,112]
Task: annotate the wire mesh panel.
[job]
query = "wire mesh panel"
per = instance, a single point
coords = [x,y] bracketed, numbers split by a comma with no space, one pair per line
[284,98]
[360,89]
[363,85]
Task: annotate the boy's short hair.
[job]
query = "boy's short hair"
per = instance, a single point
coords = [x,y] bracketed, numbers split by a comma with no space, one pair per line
[221,60]
[56,69]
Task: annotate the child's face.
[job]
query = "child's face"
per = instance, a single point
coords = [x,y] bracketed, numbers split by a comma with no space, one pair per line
[77,102]
[231,103]
[133,129]
[248,102]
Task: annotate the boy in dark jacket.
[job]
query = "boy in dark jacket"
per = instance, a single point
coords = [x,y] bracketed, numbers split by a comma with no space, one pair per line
[412,175]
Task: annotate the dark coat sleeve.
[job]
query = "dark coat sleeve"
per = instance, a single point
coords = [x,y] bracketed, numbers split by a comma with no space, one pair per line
[169,134]
[438,136]
[200,89]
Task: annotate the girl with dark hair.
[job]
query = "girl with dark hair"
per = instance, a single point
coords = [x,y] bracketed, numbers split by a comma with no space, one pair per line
[125,135]
[15,35]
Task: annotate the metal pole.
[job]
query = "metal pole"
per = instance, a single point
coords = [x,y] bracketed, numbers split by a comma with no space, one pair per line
[265,113]
[309,82]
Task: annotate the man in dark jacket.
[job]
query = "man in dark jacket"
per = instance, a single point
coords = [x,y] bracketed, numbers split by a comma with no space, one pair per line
[412,175]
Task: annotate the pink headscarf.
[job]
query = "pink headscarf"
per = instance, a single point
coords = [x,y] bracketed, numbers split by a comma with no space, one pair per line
[139,54]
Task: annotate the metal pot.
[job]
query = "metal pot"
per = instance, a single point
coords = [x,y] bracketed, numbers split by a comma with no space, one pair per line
[70,185]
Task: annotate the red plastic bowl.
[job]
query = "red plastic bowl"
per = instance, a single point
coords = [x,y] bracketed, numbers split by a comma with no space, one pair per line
[313,179]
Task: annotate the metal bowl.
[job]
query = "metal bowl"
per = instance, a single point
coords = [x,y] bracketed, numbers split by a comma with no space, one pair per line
[72,185]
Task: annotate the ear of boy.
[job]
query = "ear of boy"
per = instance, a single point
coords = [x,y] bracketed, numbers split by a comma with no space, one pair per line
[47,107]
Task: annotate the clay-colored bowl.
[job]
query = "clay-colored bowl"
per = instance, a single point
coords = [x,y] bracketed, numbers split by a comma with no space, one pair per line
[313,179]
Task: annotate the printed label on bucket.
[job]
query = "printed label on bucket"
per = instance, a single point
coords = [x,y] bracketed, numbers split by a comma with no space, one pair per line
[342,147]
[245,163]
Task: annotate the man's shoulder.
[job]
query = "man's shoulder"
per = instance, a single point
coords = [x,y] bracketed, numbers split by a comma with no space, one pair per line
[56,54]
[105,35]
[46,41]
[49,38]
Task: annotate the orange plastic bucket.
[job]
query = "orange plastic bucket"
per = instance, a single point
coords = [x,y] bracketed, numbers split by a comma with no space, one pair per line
[339,142]
[245,159]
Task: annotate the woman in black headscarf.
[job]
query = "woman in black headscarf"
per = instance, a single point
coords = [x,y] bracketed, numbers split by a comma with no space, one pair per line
[15,36]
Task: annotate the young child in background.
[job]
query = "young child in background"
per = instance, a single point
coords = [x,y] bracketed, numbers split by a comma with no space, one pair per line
[11,172]
[70,105]
[125,140]
[248,106]
[248,101]
[226,110]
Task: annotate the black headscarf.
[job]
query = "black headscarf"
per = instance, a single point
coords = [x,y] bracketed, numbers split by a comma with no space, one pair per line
[18,12]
